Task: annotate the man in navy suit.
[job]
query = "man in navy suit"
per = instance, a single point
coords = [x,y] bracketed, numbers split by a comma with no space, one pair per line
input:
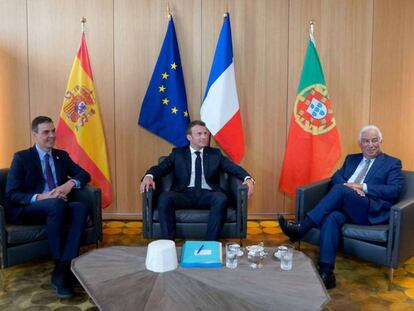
[362,192]
[38,184]
[196,174]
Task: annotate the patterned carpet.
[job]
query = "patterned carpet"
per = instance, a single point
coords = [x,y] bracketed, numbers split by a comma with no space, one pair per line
[360,285]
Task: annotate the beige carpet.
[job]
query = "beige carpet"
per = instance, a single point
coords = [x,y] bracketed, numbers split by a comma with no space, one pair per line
[360,285]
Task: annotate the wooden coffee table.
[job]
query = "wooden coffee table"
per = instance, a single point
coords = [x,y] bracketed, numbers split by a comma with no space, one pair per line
[116,279]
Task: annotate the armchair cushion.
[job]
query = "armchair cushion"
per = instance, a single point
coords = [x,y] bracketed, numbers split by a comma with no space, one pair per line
[196,215]
[19,234]
[378,233]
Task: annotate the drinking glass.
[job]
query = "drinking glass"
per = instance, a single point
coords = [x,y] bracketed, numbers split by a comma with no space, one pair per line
[232,251]
[286,257]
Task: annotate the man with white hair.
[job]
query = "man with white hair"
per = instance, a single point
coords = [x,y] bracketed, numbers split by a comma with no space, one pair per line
[362,192]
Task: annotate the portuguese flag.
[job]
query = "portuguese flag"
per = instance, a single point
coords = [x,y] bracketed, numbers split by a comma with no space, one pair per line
[313,146]
[79,129]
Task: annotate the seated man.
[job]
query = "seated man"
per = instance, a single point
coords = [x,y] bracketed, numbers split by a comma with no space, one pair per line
[195,182]
[362,192]
[38,184]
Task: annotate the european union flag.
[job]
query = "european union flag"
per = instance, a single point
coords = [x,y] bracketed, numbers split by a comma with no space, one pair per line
[164,108]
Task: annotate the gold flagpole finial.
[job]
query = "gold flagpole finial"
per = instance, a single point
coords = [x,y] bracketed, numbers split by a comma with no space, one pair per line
[169,11]
[83,21]
[226,10]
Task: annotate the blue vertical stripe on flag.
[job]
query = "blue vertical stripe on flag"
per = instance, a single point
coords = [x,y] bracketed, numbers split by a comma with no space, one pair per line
[223,57]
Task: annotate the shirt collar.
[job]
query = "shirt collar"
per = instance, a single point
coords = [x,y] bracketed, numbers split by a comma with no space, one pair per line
[42,153]
[193,150]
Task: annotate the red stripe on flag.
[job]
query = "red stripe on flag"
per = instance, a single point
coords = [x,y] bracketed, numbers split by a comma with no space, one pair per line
[83,56]
[67,141]
[231,138]
[308,158]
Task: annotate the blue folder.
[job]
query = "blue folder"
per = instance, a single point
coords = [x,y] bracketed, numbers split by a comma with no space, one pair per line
[201,254]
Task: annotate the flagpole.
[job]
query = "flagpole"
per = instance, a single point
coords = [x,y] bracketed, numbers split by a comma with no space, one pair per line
[226,10]
[311,28]
[169,11]
[83,21]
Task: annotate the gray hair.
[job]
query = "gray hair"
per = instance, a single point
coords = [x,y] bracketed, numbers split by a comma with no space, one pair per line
[368,128]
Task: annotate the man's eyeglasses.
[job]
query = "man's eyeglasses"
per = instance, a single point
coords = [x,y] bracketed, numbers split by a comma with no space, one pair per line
[374,140]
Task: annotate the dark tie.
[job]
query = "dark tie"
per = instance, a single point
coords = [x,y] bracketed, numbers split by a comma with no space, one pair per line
[362,172]
[49,175]
[197,181]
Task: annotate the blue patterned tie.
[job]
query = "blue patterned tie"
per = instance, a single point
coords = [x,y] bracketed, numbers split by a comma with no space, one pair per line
[49,175]
[362,172]
[198,170]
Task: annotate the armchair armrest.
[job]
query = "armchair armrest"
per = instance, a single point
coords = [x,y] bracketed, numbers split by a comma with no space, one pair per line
[239,193]
[308,196]
[91,197]
[401,231]
[147,211]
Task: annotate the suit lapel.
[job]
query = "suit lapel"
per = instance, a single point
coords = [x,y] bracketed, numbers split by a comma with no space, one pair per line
[36,160]
[187,157]
[58,167]
[353,164]
[374,167]
[205,161]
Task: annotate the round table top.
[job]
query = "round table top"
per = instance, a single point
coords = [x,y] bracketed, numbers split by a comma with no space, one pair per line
[116,279]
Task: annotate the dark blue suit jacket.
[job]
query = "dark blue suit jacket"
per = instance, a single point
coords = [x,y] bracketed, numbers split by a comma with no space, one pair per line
[384,182]
[179,163]
[25,177]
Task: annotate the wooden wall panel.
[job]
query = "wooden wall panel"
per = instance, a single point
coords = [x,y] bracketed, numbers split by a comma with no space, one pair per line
[54,37]
[392,105]
[365,48]
[14,91]
[343,35]
[140,27]
[260,41]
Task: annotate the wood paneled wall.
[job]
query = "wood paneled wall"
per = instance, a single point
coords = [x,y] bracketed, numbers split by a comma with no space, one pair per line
[365,47]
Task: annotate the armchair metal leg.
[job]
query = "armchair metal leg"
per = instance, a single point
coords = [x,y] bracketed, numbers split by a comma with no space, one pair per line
[3,279]
[391,277]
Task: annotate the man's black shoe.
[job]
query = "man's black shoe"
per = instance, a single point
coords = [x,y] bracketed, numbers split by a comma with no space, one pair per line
[328,280]
[63,289]
[60,282]
[289,228]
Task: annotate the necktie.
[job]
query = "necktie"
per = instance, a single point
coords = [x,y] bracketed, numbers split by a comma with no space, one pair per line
[49,175]
[197,181]
[362,172]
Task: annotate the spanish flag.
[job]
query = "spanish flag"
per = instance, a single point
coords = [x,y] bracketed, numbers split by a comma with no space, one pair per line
[79,129]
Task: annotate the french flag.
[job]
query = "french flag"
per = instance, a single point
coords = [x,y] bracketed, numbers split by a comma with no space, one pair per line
[220,109]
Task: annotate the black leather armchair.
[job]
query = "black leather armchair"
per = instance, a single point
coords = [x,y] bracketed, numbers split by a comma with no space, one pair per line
[192,223]
[387,245]
[22,243]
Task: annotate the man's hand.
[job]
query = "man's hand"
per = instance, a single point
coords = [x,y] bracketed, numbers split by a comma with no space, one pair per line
[250,185]
[66,188]
[356,187]
[55,193]
[146,183]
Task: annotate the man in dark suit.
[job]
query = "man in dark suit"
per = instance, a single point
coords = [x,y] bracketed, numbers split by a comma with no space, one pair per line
[362,192]
[196,172]
[38,184]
